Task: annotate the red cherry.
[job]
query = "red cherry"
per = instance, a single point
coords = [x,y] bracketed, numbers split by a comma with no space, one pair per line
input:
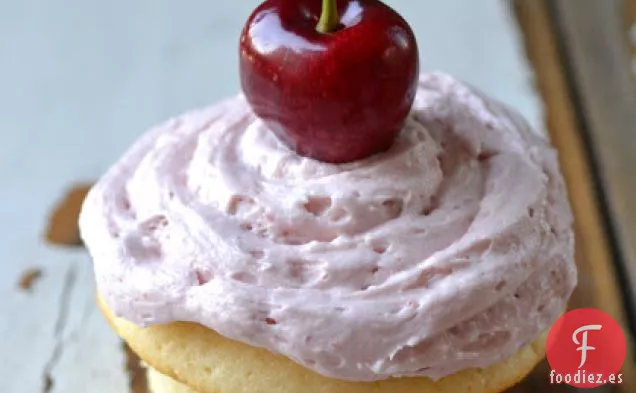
[338,96]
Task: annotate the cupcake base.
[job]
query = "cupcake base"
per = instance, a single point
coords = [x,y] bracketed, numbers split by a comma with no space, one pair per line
[190,358]
[159,383]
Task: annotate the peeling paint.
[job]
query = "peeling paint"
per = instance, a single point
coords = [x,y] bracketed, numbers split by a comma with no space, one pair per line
[28,278]
[136,371]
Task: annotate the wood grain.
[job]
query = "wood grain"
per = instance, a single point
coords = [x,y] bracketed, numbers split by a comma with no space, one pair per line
[600,62]
[597,278]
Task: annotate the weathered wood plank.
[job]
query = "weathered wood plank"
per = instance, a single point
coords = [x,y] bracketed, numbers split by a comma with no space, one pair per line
[57,341]
[600,59]
[598,278]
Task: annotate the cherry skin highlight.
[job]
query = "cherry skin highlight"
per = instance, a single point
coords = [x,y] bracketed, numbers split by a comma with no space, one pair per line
[338,96]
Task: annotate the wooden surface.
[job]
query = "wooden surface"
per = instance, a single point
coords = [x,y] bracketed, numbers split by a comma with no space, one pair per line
[79,81]
[599,58]
[568,126]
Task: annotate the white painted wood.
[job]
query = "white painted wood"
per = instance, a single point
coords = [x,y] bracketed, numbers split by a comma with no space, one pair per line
[81,79]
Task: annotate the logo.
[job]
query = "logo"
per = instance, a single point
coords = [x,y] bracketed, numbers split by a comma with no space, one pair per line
[586,348]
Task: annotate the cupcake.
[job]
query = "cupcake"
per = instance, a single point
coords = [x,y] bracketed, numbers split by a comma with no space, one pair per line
[232,259]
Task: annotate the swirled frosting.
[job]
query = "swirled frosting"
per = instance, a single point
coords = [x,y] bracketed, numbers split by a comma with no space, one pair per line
[451,250]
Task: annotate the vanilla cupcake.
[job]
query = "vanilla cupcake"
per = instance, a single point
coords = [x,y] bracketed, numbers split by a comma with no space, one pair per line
[231,264]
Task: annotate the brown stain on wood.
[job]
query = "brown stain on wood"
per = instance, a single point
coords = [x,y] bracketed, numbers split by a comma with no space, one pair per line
[63,228]
[598,286]
[136,371]
[28,278]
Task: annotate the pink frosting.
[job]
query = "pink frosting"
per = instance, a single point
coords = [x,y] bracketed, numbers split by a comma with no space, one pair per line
[452,250]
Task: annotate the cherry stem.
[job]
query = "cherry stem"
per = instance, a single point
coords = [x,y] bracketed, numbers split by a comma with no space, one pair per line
[329,19]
